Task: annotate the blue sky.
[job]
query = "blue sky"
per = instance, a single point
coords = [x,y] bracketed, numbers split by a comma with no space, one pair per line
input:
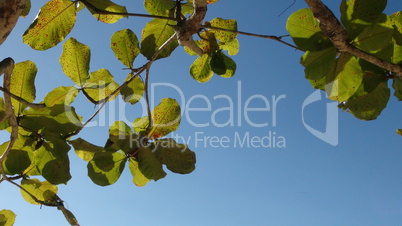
[305,182]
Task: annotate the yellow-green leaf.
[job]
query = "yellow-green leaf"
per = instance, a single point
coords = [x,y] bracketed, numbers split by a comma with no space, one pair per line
[224,36]
[7,217]
[23,84]
[75,61]
[54,22]
[201,70]
[100,85]
[109,6]
[84,149]
[125,46]
[138,178]
[134,90]
[166,119]
[43,191]
[61,95]
[105,168]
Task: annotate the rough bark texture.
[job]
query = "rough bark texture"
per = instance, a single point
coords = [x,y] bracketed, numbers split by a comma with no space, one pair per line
[10,11]
[331,27]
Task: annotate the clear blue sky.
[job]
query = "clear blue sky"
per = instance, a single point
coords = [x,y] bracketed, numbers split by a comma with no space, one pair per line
[307,182]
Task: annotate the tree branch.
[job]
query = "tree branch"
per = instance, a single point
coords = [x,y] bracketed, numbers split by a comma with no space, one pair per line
[6,68]
[332,28]
[10,11]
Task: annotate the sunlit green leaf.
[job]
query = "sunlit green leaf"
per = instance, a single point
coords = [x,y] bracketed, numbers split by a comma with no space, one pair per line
[6,123]
[159,7]
[59,120]
[305,31]
[105,168]
[106,5]
[376,36]
[100,85]
[356,14]
[42,191]
[201,70]
[27,8]
[149,165]
[134,90]
[84,149]
[369,106]
[154,34]
[138,178]
[7,217]
[20,156]
[75,61]
[125,46]
[222,65]
[317,65]
[121,137]
[178,158]
[232,47]
[54,22]
[23,84]
[224,36]
[61,95]
[166,119]
[344,78]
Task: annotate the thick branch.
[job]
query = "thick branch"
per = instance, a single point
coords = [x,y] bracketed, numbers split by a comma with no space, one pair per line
[332,28]
[10,11]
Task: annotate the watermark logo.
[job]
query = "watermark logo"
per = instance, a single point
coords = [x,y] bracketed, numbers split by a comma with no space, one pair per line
[330,135]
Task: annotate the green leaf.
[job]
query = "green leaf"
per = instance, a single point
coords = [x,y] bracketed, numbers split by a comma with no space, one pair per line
[149,165]
[7,217]
[305,31]
[121,137]
[224,36]
[23,84]
[222,65]
[399,132]
[57,171]
[43,191]
[20,156]
[6,123]
[71,219]
[100,85]
[54,22]
[397,85]
[201,70]
[105,168]
[357,14]
[125,46]
[134,90]
[344,78]
[61,95]
[27,9]
[232,47]
[74,61]
[106,5]
[166,119]
[376,36]
[138,178]
[84,149]
[178,158]
[317,65]
[154,34]
[369,106]
[56,121]
[159,7]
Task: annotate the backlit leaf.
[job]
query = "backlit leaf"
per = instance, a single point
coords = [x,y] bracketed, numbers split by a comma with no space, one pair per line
[109,6]
[84,149]
[149,165]
[178,158]
[159,7]
[305,31]
[125,46]
[6,123]
[105,168]
[201,70]
[154,34]
[224,36]
[134,90]
[75,61]
[222,65]
[166,119]
[138,178]
[121,137]
[54,22]
[27,8]
[7,217]
[43,191]
[100,85]
[23,84]
[344,78]
[71,219]
[61,95]
[232,47]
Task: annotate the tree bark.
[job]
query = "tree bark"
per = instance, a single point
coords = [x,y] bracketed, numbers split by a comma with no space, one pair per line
[10,11]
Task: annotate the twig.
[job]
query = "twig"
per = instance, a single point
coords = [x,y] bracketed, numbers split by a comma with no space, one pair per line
[6,68]
[23,101]
[272,37]
[332,28]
